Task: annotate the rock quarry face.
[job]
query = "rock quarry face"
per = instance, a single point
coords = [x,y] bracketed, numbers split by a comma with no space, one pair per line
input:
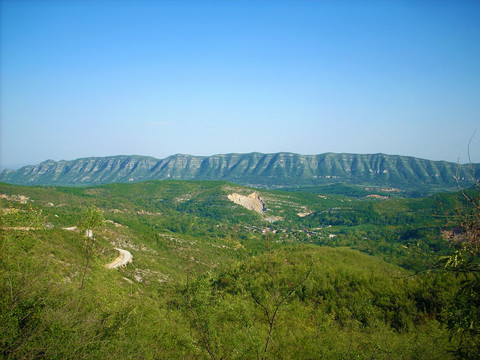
[251,202]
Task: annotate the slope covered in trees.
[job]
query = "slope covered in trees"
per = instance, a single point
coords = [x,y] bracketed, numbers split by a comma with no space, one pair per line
[331,277]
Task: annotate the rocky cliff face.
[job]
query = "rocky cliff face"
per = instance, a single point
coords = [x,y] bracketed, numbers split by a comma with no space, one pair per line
[251,202]
[261,170]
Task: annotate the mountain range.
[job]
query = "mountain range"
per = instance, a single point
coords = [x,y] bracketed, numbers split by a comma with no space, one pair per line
[277,170]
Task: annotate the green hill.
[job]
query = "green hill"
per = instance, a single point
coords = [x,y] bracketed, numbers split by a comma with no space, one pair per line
[212,279]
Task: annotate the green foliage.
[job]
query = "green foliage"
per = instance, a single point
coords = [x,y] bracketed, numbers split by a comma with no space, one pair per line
[464,261]
[332,303]
[212,280]
[91,218]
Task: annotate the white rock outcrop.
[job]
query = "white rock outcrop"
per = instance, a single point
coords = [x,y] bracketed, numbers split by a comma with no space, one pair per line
[251,202]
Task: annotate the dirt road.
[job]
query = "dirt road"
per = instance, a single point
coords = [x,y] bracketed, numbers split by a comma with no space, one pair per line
[123,259]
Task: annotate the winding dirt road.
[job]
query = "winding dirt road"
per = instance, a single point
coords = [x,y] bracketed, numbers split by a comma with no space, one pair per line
[123,259]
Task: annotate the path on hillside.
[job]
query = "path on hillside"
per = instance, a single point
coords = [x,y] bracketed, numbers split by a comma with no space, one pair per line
[123,259]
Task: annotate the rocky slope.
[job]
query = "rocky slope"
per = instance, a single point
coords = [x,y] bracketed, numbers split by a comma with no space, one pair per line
[252,202]
[261,170]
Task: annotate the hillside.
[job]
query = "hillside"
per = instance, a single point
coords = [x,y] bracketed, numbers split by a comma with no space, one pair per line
[213,278]
[254,169]
[171,213]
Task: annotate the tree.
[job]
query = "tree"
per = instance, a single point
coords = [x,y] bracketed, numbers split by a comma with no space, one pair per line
[92,218]
[22,280]
[464,262]
[270,297]
[271,284]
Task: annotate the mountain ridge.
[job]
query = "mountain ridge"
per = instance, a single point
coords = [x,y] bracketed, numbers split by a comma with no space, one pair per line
[282,169]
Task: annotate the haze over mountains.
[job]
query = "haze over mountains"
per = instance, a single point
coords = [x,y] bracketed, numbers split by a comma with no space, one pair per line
[256,169]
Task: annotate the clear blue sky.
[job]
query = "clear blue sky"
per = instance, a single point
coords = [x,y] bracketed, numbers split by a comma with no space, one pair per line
[97,78]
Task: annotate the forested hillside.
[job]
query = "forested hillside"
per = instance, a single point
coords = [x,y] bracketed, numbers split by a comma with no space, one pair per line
[307,276]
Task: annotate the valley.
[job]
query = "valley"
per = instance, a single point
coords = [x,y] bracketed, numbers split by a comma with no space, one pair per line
[222,270]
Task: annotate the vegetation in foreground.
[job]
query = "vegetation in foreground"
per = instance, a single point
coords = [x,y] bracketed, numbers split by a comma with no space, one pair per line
[211,280]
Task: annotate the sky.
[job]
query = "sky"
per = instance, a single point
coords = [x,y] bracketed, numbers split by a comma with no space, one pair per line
[157,78]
